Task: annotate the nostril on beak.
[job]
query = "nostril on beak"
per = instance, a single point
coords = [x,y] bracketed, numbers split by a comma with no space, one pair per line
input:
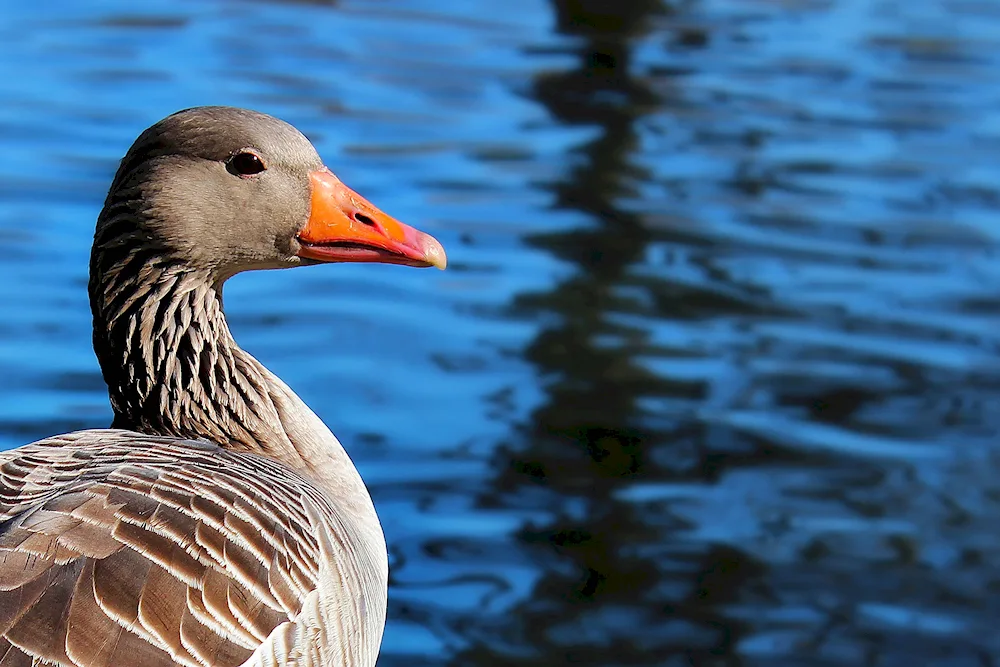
[364,219]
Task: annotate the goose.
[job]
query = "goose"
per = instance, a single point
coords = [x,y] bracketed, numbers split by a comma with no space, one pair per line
[218,522]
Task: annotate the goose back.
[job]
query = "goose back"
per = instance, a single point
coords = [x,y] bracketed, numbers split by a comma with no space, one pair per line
[123,548]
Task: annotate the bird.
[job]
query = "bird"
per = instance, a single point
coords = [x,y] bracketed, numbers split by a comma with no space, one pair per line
[218,521]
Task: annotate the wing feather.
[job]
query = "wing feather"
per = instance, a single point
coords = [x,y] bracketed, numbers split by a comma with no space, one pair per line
[122,549]
[12,656]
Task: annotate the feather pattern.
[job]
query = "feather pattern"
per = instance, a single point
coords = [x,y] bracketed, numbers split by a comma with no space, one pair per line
[122,548]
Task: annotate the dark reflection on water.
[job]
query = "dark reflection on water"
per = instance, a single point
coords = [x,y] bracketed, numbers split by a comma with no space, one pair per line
[712,379]
[616,591]
[601,600]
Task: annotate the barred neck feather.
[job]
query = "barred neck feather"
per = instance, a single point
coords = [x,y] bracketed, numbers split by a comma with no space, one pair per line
[170,362]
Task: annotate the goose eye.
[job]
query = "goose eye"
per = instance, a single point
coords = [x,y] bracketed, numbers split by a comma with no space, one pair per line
[245,163]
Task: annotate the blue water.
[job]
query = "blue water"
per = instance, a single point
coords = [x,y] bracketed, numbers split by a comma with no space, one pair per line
[712,378]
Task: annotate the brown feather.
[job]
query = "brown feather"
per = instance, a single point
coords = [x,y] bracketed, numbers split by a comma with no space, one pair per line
[118,583]
[12,656]
[41,629]
[95,640]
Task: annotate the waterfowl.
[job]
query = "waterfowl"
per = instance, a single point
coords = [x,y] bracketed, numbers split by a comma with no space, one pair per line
[218,522]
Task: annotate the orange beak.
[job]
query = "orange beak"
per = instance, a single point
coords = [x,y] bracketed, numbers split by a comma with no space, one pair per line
[344,227]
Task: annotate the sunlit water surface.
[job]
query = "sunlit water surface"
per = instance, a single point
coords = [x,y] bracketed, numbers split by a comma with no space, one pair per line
[712,378]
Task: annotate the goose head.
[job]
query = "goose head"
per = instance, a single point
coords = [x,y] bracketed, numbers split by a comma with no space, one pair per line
[227,190]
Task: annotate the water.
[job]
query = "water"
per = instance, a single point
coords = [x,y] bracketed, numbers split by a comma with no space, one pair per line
[712,377]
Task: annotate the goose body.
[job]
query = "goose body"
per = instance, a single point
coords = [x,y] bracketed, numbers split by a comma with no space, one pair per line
[219,522]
